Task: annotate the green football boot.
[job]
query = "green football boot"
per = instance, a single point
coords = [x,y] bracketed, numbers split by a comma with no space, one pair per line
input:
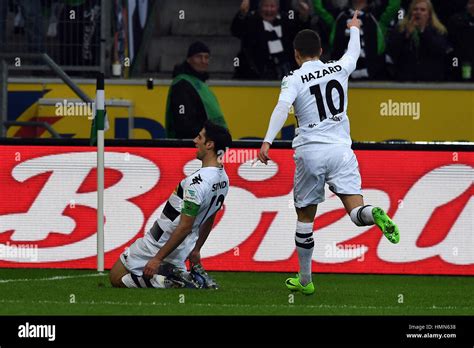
[388,227]
[294,284]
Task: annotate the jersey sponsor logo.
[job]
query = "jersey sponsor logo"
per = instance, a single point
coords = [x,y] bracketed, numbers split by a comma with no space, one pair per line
[219,186]
[190,193]
[45,203]
[320,73]
[196,180]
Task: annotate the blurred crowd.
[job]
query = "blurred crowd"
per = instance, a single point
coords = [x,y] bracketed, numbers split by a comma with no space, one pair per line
[412,40]
[70,27]
[404,40]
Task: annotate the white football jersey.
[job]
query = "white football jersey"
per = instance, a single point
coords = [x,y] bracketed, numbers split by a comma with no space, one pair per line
[318,92]
[204,190]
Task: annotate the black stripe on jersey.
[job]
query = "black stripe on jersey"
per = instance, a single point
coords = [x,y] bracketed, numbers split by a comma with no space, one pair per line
[179,193]
[156,231]
[170,212]
[135,280]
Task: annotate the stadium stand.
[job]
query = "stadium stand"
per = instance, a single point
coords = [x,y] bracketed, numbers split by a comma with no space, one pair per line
[181,22]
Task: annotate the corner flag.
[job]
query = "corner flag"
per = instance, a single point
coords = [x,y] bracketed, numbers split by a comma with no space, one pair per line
[100,121]
[99,124]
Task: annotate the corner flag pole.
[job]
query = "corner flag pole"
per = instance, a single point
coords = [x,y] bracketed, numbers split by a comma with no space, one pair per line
[100,122]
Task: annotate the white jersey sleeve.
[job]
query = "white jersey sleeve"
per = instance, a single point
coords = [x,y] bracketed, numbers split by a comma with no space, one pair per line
[288,94]
[289,89]
[277,120]
[349,60]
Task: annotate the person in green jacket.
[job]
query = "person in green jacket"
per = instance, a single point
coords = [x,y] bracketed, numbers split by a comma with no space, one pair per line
[375,21]
[190,100]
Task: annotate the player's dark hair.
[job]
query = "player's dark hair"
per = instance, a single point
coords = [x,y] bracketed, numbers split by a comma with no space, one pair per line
[219,135]
[308,43]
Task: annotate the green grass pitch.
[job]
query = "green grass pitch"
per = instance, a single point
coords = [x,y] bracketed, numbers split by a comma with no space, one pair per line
[78,292]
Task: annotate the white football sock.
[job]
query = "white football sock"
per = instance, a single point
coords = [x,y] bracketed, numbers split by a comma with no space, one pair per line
[304,246]
[362,215]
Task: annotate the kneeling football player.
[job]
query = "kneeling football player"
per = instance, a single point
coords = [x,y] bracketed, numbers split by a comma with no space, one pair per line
[157,260]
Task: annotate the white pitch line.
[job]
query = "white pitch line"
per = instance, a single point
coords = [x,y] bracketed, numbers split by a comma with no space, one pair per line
[236,305]
[51,278]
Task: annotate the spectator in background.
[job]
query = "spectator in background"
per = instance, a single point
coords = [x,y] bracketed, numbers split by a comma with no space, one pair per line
[31,10]
[79,32]
[266,39]
[419,46]
[461,34]
[374,24]
[190,101]
[29,16]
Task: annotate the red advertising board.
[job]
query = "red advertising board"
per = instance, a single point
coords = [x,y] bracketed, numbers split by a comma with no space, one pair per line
[48,206]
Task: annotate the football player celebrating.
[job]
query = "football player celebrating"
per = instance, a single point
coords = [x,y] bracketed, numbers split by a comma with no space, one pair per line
[157,260]
[322,144]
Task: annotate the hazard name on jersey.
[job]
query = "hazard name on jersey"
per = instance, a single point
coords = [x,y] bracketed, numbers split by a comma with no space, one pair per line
[320,73]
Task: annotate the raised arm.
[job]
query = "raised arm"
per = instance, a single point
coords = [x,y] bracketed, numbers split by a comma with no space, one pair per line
[239,26]
[349,59]
[353,48]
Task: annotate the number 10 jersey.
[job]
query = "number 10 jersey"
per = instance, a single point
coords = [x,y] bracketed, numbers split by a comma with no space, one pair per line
[318,92]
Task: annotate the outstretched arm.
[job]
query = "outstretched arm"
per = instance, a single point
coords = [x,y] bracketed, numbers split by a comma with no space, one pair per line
[184,228]
[192,200]
[288,95]
[195,255]
[277,120]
